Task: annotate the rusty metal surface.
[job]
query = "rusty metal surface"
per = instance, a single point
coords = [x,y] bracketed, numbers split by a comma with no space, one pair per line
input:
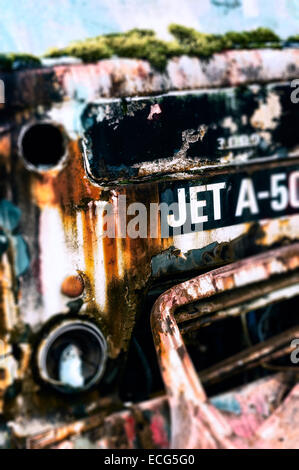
[147,425]
[238,302]
[186,396]
[39,433]
[249,406]
[129,77]
[245,409]
[72,270]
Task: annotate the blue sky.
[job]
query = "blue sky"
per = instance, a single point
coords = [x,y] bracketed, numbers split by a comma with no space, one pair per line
[31,26]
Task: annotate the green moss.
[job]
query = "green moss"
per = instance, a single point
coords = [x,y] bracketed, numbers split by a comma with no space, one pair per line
[249,39]
[15,61]
[143,44]
[204,45]
[136,43]
[294,38]
[89,51]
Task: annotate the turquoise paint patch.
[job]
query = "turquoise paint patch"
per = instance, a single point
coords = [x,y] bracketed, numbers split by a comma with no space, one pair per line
[22,260]
[9,215]
[227,403]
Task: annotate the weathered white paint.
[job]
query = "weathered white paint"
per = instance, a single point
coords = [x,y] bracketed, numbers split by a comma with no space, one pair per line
[55,261]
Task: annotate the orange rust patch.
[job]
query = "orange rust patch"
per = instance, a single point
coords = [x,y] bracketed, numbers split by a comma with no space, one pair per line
[67,187]
[89,242]
[72,286]
[5,145]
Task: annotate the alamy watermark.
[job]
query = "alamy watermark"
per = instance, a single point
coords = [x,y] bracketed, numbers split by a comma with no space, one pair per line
[295,93]
[295,353]
[161,220]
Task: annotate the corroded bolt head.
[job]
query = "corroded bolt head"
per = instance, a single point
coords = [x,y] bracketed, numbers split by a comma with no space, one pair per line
[72,286]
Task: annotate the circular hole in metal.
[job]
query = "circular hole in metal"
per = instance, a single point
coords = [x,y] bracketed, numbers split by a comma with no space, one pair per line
[73,356]
[42,145]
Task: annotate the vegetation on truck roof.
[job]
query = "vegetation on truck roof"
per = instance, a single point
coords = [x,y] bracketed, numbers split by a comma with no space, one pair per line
[294,38]
[144,44]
